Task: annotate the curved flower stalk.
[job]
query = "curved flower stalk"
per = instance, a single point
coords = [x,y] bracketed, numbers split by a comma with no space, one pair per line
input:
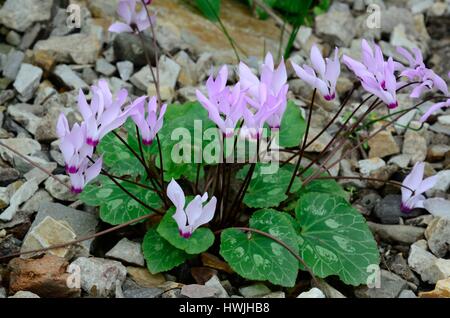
[323,74]
[414,186]
[134,21]
[267,95]
[76,153]
[418,72]
[434,108]
[148,126]
[104,113]
[377,76]
[195,214]
[224,104]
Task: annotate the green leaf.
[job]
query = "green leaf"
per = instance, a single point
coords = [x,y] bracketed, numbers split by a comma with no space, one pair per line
[209,8]
[118,158]
[323,185]
[257,257]
[334,238]
[160,255]
[200,241]
[293,126]
[268,189]
[117,207]
[182,140]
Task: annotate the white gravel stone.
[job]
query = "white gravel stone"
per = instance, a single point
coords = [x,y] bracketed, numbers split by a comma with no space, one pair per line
[312,293]
[69,77]
[127,251]
[126,69]
[20,196]
[27,81]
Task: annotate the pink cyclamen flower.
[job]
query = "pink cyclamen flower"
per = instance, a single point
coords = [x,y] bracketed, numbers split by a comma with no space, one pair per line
[418,72]
[323,74]
[134,21]
[195,215]
[269,93]
[72,144]
[105,112]
[414,187]
[223,101]
[377,76]
[148,126]
[85,174]
[434,108]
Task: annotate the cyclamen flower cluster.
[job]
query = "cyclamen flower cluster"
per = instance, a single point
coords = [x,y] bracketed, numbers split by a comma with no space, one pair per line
[255,100]
[102,115]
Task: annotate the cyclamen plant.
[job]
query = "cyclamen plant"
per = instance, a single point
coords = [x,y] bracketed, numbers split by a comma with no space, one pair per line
[267,226]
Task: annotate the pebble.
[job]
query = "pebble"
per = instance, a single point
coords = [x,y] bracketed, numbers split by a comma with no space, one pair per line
[74,48]
[46,277]
[26,115]
[13,38]
[198,291]
[438,236]
[438,207]
[444,120]
[32,205]
[415,145]
[27,81]
[430,268]
[398,264]
[321,142]
[83,223]
[387,210]
[390,286]
[144,278]
[442,290]
[20,196]
[24,294]
[105,68]
[312,293]
[128,252]
[128,47]
[383,145]
[328,290]
[126,69]
[214,282]
[407,294]
[12,64]
[21,14]
[132,290]
[47,233]
[59,191]
[254,291]
[188,75]
[437,153]
[404,234]
[336,26]
[366,166]
[69,77]
[99,276]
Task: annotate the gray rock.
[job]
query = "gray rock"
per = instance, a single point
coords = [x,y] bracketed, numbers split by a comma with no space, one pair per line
[2,292]
[395,16]
[398,264]
[89,75]
[438,236]
[73,48]
[30,36]
[127,251]
[103,67]
[21,14]
[388,210]
[24,294]
[312,293]
[407,294]
[327,289]
[420,6]
[429,267]
[26,115]
[336,26]
[59,191]
[83,223]
[69,77]
[442,184]
[13,38]
[198,291]
[254,291]
[20,196]
[128,47]
[214,282]
[397,233]
[438,207]
[8,175]
[24,166]
[27,81]
[415,145]
[188,75]
[99,276]
[402,161]
[368,165]
[5,195]
[38,174]
[126,69]
[390,286]
[12,64]
[6,95]
[32,205]
[133,290]
[142,79]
